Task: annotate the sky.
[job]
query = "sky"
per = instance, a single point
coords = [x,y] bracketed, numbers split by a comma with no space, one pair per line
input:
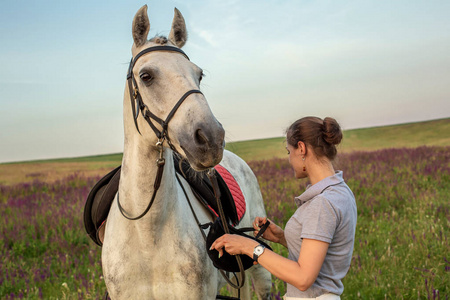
[267,64]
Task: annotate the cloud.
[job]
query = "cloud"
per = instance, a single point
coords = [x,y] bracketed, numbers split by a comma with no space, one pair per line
[208,37]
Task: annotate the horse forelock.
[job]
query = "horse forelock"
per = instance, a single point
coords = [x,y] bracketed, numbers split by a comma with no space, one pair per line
[159,39]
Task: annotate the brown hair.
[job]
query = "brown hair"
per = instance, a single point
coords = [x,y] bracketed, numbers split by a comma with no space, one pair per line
[321,135]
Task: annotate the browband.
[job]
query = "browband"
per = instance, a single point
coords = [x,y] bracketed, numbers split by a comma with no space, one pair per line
[151,49]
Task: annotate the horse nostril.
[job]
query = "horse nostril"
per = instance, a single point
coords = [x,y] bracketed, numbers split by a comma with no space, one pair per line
[200,138]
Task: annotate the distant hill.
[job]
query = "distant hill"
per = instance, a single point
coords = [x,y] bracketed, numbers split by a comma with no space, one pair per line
[431,133]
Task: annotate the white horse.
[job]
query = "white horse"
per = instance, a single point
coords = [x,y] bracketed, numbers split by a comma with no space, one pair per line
[162,255]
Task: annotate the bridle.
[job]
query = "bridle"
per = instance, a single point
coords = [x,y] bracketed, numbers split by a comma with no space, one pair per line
[136,100]
[138,105]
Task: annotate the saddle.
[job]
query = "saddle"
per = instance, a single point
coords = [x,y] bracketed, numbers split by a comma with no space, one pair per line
[101,196]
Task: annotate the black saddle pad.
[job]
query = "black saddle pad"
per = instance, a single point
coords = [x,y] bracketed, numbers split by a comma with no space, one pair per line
[102,195]
[201,186]
[99,202]
[228,262]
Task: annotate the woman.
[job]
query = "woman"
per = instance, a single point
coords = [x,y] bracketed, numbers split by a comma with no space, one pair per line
[321,233]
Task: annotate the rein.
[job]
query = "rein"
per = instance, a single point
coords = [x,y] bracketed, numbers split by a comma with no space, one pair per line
[216,190]
[160,162]
[240,283]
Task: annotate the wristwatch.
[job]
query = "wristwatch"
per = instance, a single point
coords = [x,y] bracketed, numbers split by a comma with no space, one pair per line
[258,251]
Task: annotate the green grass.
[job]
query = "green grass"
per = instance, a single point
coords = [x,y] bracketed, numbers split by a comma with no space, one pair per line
[427,133]
[115,157]
[259,149]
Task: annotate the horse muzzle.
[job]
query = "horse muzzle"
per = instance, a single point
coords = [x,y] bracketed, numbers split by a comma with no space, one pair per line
[204,148]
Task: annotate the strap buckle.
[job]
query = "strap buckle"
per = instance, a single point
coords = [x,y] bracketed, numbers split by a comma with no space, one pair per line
[135,92]
[161,160]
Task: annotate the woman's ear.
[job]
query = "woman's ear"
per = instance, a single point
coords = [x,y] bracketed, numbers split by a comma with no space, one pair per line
[301,147]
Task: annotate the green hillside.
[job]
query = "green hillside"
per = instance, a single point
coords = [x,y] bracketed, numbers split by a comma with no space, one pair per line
[430,133]
[435,132]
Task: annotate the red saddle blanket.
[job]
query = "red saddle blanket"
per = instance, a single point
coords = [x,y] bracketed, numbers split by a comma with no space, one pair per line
[236,192]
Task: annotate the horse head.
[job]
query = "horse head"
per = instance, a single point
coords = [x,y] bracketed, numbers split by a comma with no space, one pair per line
[166,103]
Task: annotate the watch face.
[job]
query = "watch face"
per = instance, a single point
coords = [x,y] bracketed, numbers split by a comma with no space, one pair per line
[259,250]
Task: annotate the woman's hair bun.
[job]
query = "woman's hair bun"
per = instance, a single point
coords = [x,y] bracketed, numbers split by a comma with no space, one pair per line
[321,135]
[332,133]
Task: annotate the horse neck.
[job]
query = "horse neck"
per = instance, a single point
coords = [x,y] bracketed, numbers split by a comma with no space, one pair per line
[139,171]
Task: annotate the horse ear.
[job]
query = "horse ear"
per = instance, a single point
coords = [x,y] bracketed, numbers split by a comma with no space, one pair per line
[178,33]
[141,26]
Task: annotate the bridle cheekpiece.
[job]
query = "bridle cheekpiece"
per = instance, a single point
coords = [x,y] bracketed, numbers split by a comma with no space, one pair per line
[138,105]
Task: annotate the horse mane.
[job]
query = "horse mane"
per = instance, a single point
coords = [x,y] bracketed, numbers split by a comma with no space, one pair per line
[187,170]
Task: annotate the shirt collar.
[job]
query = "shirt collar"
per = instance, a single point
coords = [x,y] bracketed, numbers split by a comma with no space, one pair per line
[316,189]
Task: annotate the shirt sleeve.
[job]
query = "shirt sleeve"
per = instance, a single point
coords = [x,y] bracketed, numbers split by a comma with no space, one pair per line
[320,220]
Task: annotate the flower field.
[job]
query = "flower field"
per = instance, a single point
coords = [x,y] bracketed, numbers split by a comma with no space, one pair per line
[401,246]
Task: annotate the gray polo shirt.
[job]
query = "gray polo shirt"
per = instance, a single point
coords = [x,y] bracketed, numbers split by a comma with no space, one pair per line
[326,212]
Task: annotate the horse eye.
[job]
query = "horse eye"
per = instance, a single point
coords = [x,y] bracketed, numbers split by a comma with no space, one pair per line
[146,77]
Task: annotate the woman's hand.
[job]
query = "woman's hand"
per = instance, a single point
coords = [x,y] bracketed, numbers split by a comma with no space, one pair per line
[273,233]
[234,244]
